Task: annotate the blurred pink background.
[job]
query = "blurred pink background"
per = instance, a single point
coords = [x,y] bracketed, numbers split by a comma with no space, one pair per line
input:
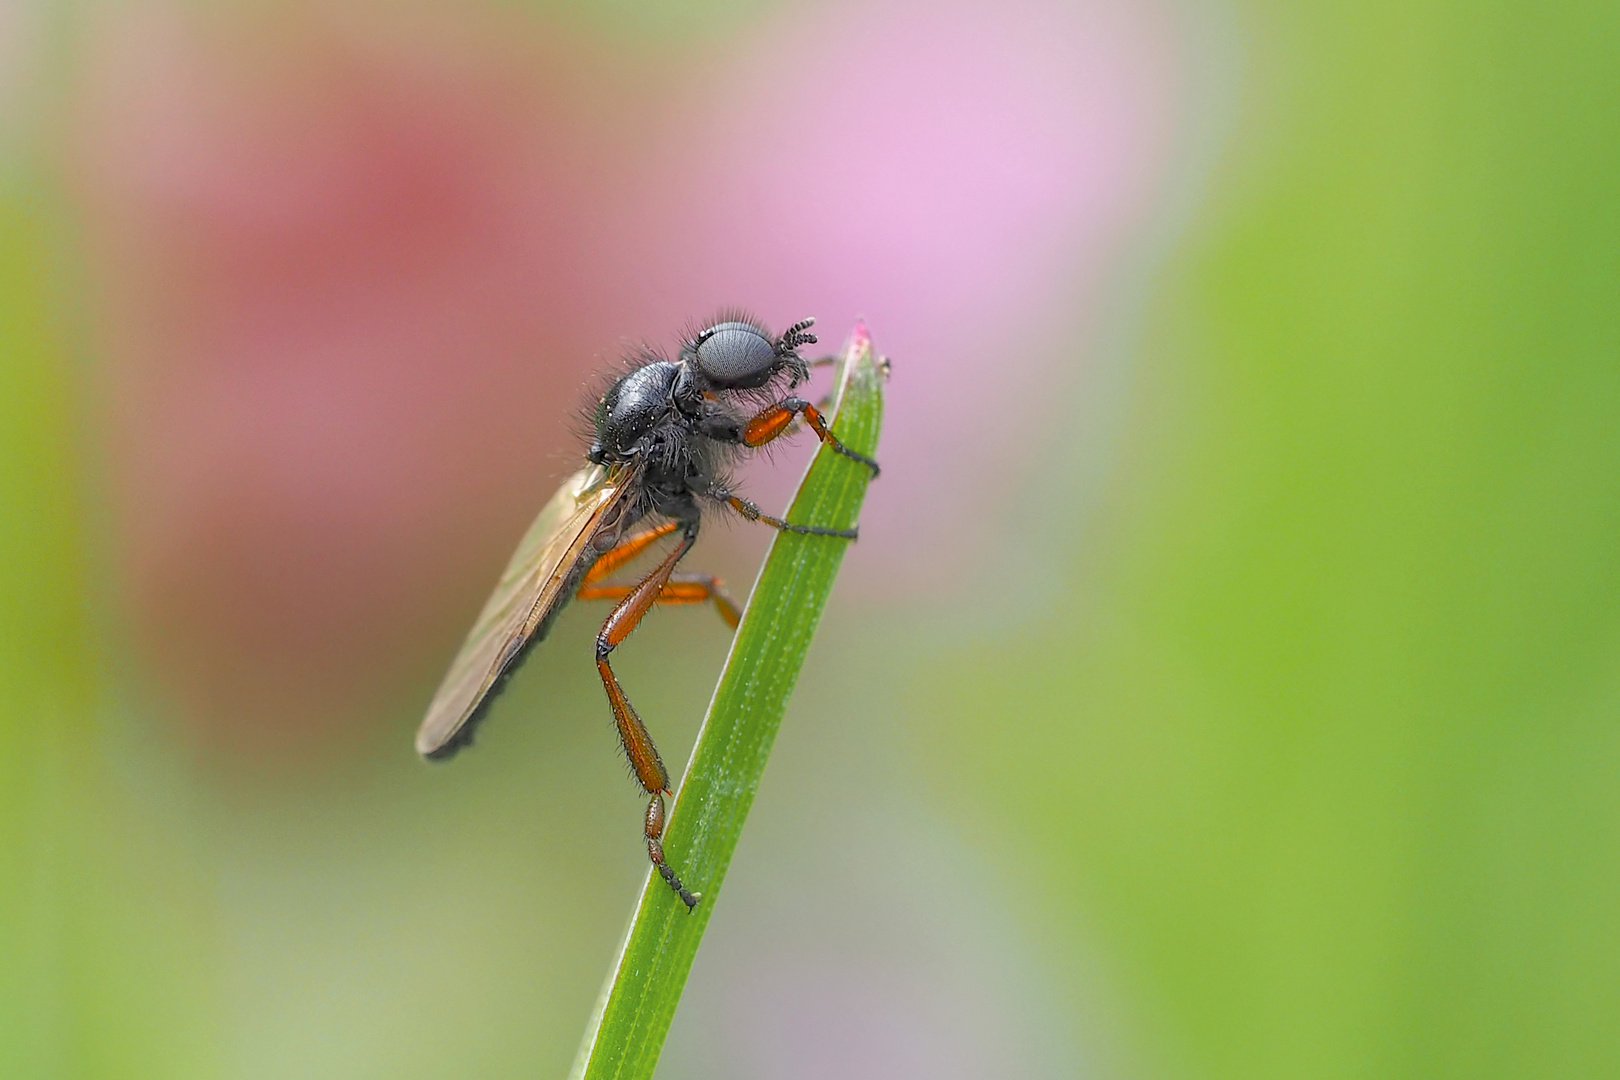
[351,285]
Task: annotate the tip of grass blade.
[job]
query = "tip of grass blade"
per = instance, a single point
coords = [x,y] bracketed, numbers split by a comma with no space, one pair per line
[627,1027]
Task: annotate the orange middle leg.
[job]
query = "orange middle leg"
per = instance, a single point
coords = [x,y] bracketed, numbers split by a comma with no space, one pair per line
[750,510]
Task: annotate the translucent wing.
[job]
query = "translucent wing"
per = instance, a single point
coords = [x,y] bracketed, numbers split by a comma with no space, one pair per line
[542,576]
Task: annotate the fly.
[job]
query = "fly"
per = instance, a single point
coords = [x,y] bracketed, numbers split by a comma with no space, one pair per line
[665,431]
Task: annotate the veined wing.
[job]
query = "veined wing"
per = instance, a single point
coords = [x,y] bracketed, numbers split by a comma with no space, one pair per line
[541,577]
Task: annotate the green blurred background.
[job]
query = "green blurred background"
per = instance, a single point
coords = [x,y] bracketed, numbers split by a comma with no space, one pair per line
[1253,716]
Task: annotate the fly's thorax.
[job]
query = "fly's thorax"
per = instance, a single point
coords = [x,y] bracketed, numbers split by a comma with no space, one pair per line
[633,406]
[677,463]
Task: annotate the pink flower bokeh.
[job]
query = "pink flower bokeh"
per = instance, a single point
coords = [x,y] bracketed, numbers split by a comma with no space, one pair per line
[350,284]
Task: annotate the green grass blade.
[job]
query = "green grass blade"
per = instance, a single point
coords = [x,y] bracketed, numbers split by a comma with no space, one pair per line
[627,1030]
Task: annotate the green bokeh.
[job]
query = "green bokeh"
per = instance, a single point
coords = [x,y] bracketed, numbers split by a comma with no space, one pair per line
[102,927]
[1323,745]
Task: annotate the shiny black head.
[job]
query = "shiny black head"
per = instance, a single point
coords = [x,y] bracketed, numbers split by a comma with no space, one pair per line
[742,355]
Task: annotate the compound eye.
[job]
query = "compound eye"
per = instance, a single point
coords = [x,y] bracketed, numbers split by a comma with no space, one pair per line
[736,355]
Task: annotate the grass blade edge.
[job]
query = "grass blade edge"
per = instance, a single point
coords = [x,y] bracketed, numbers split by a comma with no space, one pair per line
[632,1015]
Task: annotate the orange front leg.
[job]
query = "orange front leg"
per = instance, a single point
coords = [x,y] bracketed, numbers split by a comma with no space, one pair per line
[773,421]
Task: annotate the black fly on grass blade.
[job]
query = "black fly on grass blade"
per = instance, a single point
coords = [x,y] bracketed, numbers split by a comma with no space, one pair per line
[665,430]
